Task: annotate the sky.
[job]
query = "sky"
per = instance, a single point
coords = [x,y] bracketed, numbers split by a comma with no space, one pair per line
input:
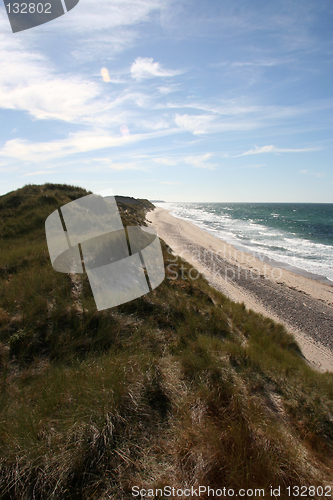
[185,100]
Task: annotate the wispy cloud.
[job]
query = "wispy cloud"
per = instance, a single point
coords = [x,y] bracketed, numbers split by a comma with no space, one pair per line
[109,29]
[39,172]
[215,123]
[166,161]
[29,82]
[197,124]
[111,14]
[269,89]
[145,67]
[261,63]
[64,99]
[319,175]
[124,166]
[104,164]
[168,89]
[44,151]
[81,142]
[255,166]
[200,161]
[108,163]
[274,149]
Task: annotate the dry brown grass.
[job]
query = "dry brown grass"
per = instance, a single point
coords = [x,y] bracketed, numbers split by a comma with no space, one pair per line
[181,387]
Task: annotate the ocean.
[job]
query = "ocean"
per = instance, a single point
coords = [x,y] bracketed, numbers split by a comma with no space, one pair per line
[297,235]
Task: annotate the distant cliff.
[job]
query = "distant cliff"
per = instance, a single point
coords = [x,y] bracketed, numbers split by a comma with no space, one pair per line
[125,199]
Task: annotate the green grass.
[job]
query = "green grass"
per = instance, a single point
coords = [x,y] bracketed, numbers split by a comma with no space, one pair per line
[179,387]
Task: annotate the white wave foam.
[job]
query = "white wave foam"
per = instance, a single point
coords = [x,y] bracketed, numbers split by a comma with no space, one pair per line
[253,237]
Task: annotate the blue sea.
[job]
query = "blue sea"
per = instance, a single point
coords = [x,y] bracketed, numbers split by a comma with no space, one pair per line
[295,234]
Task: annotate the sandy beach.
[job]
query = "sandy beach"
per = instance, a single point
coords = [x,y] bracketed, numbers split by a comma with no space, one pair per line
[304,305]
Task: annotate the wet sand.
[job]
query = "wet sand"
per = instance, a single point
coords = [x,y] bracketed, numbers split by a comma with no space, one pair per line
[304,305]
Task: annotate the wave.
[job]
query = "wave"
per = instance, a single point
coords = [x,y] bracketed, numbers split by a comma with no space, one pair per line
[251,235]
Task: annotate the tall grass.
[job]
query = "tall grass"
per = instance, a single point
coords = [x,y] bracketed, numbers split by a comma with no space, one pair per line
[179,387]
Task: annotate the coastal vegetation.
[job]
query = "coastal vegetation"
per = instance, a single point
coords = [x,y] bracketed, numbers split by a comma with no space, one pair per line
[180,387]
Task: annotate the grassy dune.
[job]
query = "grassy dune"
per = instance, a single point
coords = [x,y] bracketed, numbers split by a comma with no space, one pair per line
[180,387]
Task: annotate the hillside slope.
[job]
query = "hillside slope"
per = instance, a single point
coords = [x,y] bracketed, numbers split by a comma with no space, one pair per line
[181,387]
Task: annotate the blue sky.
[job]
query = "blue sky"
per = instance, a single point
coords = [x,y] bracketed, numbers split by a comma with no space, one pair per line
[176,100]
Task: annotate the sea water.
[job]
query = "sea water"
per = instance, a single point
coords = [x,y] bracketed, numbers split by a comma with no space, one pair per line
[294,234]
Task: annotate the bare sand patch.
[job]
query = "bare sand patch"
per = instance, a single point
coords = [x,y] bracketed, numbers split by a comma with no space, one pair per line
[304,305]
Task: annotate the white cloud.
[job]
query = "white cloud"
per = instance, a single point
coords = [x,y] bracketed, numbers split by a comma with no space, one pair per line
[145,67]
[255,166]
[167,90]
[200,161]
[124,166]
[319,175]
[61,99]
[110,14]
[81,142]
[166,161]
[103,164]
[52,85]
[273,149]
[29,82]
[257,150]
[102,31]
[213,123]
[197,124]
[153,124]
[44,151]
[263,62]
[91,48]
[39,172]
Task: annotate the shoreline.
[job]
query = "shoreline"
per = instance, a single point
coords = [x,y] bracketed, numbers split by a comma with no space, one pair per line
[262,257]
[303,304]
